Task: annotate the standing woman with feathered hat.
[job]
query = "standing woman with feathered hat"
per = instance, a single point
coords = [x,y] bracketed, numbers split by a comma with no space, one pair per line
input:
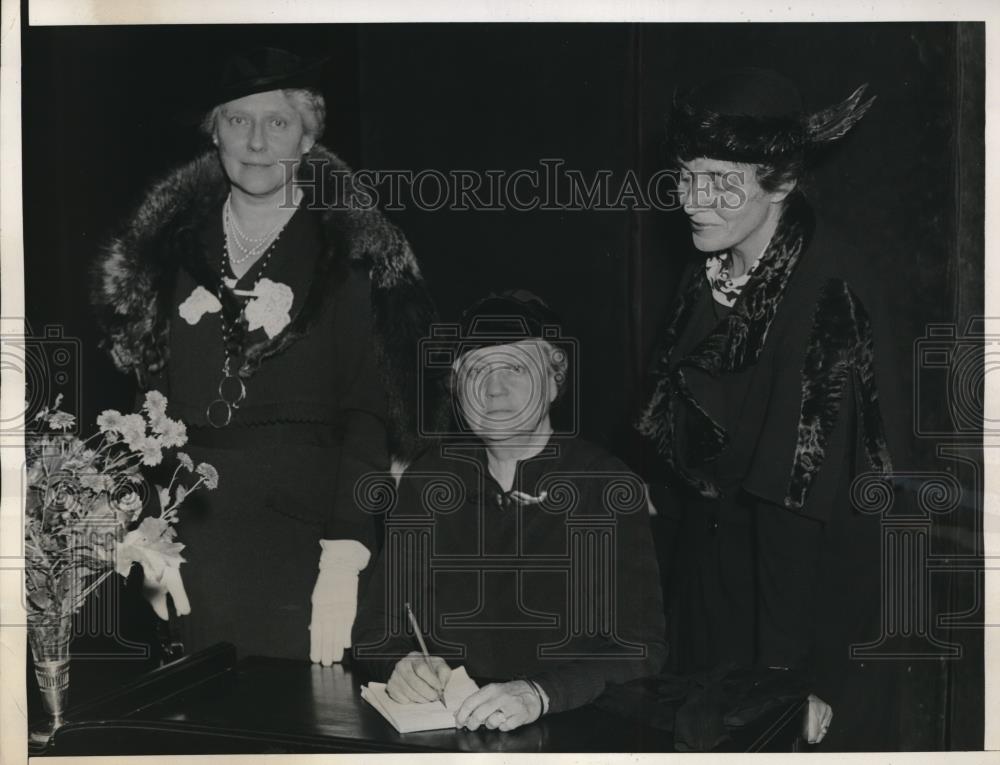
[279,313]
[765,404]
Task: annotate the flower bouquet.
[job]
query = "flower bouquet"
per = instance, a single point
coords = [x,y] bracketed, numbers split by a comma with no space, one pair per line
[83,509]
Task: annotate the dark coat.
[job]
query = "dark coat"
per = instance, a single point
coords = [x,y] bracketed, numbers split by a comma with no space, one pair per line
[564,591]
[798,338]
[329,399]
[135,275]
[764,415]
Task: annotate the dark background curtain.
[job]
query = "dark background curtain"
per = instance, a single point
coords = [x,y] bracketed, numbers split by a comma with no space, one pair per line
[100,124]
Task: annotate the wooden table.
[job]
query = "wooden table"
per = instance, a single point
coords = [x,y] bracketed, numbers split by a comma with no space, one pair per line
[211,703]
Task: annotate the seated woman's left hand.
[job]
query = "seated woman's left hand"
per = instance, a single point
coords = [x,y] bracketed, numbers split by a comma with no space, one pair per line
[500,706]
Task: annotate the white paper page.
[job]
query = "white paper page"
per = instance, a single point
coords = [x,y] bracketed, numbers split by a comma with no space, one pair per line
[408,718]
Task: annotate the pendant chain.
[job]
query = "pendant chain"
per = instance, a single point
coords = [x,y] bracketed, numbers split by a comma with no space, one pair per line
[232,389]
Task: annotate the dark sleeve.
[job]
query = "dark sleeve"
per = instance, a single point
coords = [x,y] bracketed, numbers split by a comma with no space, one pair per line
[789,555]
[380,636]
[824,428]
[364,448]
[823,411]
[818,571]
[374,646]
[638,608]
[789,541]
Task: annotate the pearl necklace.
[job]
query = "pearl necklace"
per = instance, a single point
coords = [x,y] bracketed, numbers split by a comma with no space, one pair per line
[253,246]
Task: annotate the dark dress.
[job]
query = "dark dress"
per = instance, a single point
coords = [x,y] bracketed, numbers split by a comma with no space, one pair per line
[312,422]
[565,591]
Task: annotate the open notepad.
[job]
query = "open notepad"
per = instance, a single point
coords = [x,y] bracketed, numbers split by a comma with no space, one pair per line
[410,718]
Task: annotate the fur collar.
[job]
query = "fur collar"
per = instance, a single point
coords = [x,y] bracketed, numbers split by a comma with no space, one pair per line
[734,345]
[839,349]
[134,276]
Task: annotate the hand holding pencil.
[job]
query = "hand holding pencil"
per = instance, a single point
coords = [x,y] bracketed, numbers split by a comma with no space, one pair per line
[418,677]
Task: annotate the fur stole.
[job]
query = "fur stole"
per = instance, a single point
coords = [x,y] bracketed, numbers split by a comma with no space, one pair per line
[135,273]
[840,344]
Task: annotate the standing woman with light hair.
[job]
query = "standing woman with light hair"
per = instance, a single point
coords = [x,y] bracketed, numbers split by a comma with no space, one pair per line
[281,321]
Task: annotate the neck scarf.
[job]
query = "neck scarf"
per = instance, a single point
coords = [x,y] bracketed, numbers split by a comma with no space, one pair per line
[725,288]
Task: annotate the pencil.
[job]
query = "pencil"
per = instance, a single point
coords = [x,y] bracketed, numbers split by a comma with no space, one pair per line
[423,645]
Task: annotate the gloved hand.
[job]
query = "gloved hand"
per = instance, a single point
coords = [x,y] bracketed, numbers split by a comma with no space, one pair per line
[818,718]
[169,583]
[335,599]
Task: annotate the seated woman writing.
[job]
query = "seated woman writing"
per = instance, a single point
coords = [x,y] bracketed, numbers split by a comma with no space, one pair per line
[526,555]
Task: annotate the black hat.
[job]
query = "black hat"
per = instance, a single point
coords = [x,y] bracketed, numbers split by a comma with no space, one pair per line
[256,70]
[508,317]
[754,115]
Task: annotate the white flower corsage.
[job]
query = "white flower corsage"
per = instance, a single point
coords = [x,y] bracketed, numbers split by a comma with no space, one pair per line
[270,307]
[198,303]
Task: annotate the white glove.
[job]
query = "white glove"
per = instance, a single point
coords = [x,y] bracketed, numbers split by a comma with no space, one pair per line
[818,718]
[335,599]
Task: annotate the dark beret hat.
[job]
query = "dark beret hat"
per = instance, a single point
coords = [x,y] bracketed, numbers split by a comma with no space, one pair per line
[508,317]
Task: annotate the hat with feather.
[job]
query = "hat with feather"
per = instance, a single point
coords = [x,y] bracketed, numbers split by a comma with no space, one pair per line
[755,116]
